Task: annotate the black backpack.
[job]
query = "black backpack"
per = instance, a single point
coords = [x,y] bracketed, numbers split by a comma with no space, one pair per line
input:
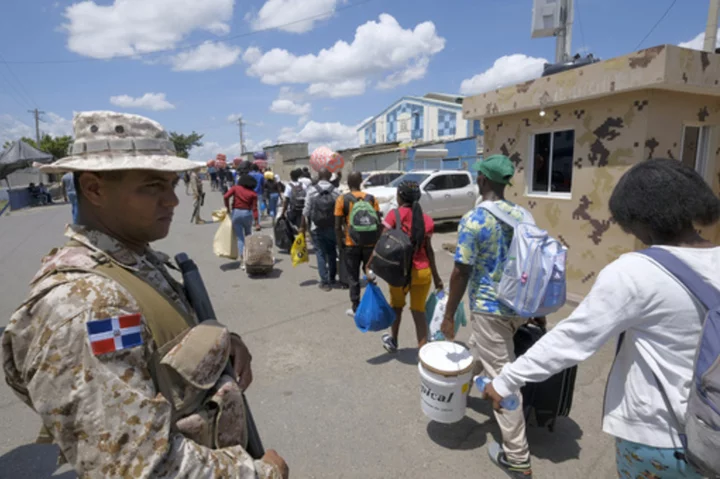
[393,256]
[297,199]
[323,208]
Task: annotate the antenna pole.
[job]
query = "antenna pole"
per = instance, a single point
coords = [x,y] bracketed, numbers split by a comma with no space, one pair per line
[563,39]
[712,27]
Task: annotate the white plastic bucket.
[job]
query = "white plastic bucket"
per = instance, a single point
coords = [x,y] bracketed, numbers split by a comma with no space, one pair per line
[445,375]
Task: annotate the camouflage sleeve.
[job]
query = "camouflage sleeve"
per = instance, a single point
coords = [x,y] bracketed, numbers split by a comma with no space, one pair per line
[104,411]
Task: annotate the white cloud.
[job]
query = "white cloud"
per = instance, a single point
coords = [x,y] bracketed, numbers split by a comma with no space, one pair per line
[698,42]
[149,101]
[335,135]
[403,77]
[134,27]
[294,16]
[338,90]
[506,70]
[289,107]
[234,117]
[12,129]
[210,149]
[379,47]
[208,56]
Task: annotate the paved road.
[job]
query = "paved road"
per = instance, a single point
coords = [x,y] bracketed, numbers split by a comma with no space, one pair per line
[326,396]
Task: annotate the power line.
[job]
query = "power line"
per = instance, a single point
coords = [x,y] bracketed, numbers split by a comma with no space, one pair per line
[27,95]
[16,96]
[191,46]
[672,4]
[582,30]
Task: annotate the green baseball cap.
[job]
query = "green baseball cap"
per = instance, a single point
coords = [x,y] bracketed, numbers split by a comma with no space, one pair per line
[496,168]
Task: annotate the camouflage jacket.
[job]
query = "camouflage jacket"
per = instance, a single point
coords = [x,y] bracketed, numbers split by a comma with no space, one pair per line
[104,411]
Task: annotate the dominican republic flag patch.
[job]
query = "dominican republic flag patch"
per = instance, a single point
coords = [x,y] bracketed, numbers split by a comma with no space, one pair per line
[115,334]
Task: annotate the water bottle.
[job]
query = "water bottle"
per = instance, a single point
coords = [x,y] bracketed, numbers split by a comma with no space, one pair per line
[510,403]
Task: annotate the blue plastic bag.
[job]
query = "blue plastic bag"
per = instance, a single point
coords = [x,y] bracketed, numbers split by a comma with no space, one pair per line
[374,313]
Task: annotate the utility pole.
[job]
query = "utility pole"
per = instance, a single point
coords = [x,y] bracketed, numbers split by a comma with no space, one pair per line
[712,27]
[242,139]
[563,39]
[37,114]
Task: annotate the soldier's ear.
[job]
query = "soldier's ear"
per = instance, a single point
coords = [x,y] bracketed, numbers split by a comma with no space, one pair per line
[91,187]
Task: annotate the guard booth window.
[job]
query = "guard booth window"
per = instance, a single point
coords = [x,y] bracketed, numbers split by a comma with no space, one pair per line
[552,162]
[695,146]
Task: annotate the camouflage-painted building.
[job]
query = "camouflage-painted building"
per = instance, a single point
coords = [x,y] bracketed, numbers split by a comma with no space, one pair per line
[573,134]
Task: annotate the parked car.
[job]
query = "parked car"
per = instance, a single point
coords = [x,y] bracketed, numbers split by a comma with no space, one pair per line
[374,178]
[446,194]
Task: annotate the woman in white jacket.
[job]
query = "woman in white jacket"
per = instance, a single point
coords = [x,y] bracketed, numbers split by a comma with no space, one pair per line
[659,202]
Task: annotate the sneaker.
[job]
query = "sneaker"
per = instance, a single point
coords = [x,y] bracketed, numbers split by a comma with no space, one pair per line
[516,471]
[350,313]
[325,287]
[389,343]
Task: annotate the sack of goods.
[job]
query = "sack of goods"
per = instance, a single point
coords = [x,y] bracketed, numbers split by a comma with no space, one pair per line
[435,313]
[374,312]
[533,280]
[544,402]
[225,242]
[258,254]
[445,376]
[299,252]
[393,256]
[363,220]
[323,208]
[284,235]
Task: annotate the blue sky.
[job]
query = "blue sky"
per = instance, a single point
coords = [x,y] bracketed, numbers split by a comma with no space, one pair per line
[192,64]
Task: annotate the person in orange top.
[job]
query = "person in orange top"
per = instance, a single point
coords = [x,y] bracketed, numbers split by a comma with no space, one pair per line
[353,255]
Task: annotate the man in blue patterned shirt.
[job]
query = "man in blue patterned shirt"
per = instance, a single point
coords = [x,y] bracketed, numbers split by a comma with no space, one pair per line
[482,249]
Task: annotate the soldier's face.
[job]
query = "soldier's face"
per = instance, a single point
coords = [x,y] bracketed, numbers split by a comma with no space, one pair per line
[137,204]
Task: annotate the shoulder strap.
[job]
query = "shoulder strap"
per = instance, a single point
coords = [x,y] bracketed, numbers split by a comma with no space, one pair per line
[493,209]
[705,293]
[347,199]
[397,219]
[370,199]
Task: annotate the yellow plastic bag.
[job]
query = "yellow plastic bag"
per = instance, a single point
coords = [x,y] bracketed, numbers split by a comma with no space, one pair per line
[225,242]
[219,215]
[299,252]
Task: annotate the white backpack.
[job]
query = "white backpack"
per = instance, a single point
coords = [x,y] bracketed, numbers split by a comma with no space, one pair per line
[533,280]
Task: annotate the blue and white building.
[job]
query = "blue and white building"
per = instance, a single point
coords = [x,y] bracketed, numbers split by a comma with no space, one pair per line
[433,117]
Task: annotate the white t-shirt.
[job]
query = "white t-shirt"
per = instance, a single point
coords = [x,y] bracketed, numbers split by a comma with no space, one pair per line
[662,321]
[306,182]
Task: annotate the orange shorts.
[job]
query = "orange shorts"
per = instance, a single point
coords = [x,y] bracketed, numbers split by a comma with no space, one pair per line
[420,282]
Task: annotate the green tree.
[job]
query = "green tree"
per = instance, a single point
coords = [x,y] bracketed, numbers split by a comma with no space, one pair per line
[185,143]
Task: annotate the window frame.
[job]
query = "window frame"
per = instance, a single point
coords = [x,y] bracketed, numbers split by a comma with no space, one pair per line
[447,179]
[701,164]
[530,168]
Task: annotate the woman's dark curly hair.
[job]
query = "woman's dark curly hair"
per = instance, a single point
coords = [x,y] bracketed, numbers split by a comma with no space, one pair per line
[664,199]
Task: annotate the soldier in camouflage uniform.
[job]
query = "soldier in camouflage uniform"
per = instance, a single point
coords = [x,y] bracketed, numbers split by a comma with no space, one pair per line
[100,347]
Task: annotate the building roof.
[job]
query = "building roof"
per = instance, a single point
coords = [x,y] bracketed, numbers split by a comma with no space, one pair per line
[417,99]
[452,98]
[665,67]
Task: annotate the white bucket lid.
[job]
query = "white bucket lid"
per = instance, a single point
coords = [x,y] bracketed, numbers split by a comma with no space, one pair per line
[446,358]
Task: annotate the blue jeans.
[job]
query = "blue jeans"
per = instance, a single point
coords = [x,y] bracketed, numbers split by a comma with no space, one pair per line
[72,198]
[242,221]
[272,204]
[326,251]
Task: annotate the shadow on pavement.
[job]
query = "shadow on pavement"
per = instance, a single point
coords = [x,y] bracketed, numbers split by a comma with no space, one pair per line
[558,446]
[308,282]
[32,460]
[405,355]
[449,227]
[465,435]
[2,330]
[275,273]
[235,265]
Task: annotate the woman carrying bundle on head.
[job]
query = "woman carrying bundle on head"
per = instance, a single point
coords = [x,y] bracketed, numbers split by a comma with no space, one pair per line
[419,227]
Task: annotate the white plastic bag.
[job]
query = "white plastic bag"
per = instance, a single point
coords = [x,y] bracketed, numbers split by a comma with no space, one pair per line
[225,241]
[434,332]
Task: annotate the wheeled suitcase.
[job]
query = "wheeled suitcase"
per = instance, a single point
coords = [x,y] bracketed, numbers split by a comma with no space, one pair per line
[258,254]
[544,402]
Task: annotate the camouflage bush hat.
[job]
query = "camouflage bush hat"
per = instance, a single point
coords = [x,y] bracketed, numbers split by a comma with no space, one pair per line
[108,141]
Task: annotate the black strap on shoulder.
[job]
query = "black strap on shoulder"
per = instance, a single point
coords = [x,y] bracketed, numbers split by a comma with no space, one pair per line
[347,199]
[397,219]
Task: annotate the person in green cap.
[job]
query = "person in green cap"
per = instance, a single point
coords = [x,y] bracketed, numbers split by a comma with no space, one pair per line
[480,257]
